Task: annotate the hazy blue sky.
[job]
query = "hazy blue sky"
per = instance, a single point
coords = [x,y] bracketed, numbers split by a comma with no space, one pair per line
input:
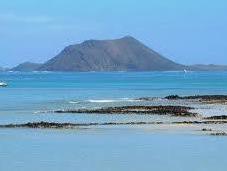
[187,31]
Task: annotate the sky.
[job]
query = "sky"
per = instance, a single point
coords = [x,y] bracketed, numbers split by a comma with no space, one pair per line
[186,31]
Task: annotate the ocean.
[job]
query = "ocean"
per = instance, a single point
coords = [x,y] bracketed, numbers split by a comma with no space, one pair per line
[33,96]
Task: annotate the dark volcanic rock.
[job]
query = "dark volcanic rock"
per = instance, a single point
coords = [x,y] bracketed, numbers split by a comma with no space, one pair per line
[219,134]
[53,125]
[222,117]
[212,99]
[203,97]
[145,99]
[201,122]
[40,125]
[159,110]
[206,129]
[125,54]
[207,97]
[173,97]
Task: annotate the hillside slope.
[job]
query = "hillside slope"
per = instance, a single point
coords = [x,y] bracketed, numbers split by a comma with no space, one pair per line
[125,54]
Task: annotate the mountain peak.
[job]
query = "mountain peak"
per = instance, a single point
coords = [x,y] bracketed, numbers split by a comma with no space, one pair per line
[124,54]
[122,38]
[128,37]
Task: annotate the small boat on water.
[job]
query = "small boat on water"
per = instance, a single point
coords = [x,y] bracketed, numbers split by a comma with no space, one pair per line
[2,84]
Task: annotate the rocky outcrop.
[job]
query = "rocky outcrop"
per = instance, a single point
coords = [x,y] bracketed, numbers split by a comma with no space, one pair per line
[54,125]
[196,122]
[206,130]
[210,99]
[203,97]
[174,97]
[221,117]
[40,125]
[219,134]
[158,110]
[145,99]
[214,133]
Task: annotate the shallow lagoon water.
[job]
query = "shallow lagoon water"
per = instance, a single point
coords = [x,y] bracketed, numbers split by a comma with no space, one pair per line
[105,148]
[110,149]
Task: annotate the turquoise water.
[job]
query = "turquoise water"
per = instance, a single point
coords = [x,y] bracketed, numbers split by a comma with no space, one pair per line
[103,148]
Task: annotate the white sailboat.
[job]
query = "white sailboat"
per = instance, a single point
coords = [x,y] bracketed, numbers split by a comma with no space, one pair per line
[3,84]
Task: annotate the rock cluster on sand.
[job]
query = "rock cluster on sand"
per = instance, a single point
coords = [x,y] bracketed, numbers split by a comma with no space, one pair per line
[177,111]
[159,110]
[212,99]
[219,134]
[206,129]
[40,125]
[221,117]
[54,125]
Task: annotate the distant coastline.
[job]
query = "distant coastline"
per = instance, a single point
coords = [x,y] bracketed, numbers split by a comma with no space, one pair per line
[124,54]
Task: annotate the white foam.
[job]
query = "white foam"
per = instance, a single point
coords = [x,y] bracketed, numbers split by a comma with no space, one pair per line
[106,100]
[74,102]
[112,100]
[131,100]
[102,101]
